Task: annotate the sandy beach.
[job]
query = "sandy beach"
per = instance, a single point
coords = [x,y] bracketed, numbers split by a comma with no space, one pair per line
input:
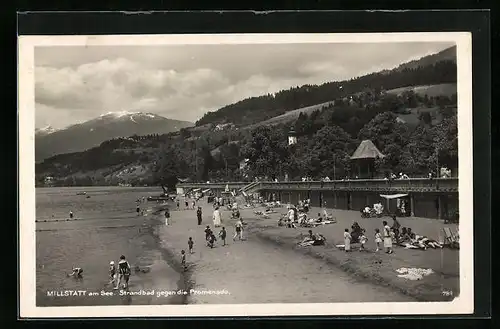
[254,271]
[269,267]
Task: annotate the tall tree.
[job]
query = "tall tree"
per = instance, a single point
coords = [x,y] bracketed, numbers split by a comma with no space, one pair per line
[390,137]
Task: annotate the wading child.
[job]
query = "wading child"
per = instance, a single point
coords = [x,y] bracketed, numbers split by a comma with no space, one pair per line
[378,239]
[123,272]
[183,259]
[190,245]
[112,273]
[222,235]
[70,215]
[347,240]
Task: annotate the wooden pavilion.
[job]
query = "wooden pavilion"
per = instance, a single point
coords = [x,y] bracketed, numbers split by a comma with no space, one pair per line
[364,157]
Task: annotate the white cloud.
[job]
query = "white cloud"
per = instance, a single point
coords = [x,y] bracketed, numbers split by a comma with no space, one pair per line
[80,83]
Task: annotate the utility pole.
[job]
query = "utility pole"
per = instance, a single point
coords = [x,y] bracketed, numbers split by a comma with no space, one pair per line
[225,162]
[437,162]
[333,166]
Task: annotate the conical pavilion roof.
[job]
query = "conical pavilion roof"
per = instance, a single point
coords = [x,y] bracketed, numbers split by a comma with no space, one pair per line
[367,150]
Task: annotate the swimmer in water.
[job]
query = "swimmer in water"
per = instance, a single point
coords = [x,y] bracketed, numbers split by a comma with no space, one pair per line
[77,273]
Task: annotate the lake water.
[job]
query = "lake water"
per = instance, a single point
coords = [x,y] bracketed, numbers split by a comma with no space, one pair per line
[107,226]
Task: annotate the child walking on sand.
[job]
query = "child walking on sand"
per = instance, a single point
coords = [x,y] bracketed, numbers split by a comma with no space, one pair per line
[362,239]
[167,216]
[222,235]
[199,215]
[190,245]
[208,232]
[378,239]
[211,240]
[238,231]
[347,240]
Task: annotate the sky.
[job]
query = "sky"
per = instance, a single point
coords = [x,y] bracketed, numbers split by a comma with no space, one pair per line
[74,84]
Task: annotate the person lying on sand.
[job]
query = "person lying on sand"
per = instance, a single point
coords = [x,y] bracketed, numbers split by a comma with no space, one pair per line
[414,241]
[312,240]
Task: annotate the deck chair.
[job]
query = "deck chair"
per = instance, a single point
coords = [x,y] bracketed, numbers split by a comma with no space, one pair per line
[451,237]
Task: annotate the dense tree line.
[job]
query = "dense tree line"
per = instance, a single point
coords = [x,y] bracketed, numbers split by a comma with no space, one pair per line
[326,137]
[256,109]
[326,140]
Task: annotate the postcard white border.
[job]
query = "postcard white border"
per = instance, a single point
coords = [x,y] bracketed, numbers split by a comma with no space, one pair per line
[464,304]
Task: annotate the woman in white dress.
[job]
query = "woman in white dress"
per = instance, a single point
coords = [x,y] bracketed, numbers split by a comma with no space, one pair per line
[217,217]
[347,240]
[387,238]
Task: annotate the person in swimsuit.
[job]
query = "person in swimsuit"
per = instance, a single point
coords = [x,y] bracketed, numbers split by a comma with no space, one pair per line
[378,239]
[112,273]
[190,245]
[167,216]
[183,260]
[222,235]
[199,215]
[238,231]
[123,272]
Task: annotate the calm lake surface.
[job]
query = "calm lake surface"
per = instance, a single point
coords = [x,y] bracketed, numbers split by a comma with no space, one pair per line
[107,226]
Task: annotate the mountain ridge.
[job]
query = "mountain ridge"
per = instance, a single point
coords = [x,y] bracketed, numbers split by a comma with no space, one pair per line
[432,69]
[91,133]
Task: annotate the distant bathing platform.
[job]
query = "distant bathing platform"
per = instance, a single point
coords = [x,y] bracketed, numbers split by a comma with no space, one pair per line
[430,198]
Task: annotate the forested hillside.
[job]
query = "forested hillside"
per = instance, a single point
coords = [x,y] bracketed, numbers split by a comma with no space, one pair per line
[416,130]
[434,69]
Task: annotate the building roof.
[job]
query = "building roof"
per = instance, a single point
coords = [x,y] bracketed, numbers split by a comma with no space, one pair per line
[367,150]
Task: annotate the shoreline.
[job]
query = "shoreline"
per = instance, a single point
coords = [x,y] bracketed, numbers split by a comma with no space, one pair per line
[186,281]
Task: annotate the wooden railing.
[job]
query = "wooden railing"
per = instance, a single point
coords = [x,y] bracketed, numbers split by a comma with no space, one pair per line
[378,185]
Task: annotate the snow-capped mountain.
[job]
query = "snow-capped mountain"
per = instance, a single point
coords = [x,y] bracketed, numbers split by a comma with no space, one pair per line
[45,131]
[82,136]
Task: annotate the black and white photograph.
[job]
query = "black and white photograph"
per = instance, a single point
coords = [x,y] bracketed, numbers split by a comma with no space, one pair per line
[252,174]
